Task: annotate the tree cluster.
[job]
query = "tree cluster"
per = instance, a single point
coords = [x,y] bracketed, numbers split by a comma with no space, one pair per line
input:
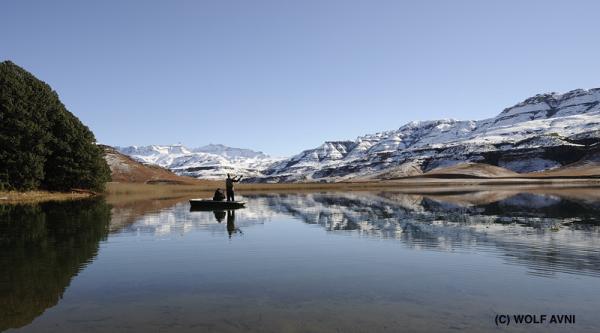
[42,144]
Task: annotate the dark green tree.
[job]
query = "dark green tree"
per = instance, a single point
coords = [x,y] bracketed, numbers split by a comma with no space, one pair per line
[42,144]
[24,104]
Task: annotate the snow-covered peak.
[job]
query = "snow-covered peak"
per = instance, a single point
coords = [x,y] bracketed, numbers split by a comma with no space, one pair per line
[222,150]
[154,150]
[210,161]
[533,135]
[542,132]
[550,105]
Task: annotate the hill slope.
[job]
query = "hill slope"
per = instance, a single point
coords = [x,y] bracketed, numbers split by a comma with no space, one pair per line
[207,162]
[472,170]
[588,166]
[127,170]
[543,132]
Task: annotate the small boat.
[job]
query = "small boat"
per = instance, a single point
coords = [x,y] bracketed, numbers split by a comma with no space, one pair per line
[207,204]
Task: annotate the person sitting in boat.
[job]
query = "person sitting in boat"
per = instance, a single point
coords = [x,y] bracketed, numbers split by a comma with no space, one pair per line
[229,186]
[219,196]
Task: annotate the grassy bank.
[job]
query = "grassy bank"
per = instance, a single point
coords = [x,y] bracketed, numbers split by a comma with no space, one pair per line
[169,189]
[140,191]
[404,185]
[136,188]
[12,197]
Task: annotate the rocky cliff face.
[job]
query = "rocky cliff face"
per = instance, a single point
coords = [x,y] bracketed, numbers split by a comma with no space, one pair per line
[541,133]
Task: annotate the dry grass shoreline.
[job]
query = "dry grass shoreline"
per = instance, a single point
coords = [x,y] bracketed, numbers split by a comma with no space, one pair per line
[406,185]
[399,184]
[15,197]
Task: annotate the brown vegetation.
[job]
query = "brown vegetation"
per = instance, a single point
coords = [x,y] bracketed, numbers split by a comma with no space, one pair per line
[582,169]
[472,170]
[11,197]
[577,169]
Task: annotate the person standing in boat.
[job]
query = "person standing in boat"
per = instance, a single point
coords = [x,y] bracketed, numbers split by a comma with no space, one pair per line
[229,186]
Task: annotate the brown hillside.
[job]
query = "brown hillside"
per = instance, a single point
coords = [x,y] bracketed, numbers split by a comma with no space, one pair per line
[478,170]
[126,170]
[409,169]
[578,169]
[587,166]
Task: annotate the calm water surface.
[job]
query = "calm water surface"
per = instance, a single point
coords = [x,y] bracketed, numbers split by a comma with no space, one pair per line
[308,262]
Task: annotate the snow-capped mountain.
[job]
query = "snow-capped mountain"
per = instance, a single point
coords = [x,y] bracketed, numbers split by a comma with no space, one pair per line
[543,132]
[208,162]
[229,152]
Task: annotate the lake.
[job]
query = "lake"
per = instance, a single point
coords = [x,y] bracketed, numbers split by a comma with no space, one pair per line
[379,261]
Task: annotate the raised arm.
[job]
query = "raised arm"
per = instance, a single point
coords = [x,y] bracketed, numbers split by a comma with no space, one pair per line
[240,177]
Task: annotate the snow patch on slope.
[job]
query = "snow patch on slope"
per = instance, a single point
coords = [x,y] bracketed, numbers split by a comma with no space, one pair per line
[524,134]
[207,162]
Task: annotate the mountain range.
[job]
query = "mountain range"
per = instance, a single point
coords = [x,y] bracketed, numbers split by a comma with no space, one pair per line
[212,161]
[544,132]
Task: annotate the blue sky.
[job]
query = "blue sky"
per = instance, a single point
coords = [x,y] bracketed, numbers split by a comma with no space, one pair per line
[283,76]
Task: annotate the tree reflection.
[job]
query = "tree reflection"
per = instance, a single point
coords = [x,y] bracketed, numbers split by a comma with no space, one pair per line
[42,247]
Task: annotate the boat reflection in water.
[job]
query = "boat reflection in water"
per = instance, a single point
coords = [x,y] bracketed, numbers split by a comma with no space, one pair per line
[547,232]
[220,215]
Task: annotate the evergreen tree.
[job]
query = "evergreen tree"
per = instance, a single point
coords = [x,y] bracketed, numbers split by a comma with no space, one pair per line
[42,144]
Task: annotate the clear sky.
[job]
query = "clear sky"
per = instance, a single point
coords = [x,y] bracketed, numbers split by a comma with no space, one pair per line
[282,76]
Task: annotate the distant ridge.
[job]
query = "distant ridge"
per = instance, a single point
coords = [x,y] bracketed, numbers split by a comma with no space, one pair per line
[545,132]
[212,161]
[127,170]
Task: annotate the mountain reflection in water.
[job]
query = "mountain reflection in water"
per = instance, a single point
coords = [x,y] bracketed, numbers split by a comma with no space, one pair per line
[287,251]
[546,232]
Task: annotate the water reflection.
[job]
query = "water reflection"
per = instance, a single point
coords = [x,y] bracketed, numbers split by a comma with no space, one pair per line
[219,215]
[231,229]
[42,247]
[546,233]
[165,265]
[178,219]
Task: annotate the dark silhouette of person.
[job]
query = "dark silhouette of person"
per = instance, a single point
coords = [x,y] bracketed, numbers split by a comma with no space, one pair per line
[231,222]
[219,196]
[229,186]
[219,215]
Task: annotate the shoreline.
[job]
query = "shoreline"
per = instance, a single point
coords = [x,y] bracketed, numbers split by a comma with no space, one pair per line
[33,197]
[406,185]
